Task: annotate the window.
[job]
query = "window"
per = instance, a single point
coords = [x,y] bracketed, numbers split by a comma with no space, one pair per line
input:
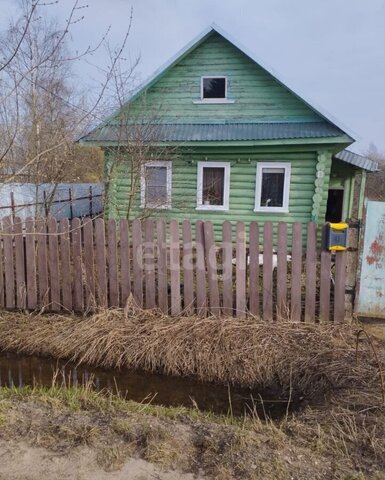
[272,187]
[156,185]
[213,186]
[214,88]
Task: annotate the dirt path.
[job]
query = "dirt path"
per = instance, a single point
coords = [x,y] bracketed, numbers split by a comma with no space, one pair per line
[20,461]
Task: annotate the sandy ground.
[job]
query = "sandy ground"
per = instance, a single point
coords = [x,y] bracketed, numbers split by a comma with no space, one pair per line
[19,461]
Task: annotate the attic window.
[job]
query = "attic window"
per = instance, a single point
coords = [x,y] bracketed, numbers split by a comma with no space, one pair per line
[214,88]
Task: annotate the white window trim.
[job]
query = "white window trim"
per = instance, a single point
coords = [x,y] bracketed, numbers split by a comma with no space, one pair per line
[286,187]
[214,100]
[164,163]
[226,190]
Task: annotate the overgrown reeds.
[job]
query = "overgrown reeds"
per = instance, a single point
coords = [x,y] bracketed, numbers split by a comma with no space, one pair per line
[293,359]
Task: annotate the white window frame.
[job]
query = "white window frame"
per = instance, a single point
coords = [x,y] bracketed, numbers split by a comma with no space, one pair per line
[163,163]
[226,187]
[214,100]
[286,187]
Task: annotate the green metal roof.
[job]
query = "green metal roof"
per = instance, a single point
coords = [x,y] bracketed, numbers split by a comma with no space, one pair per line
[357,160]
[206,132]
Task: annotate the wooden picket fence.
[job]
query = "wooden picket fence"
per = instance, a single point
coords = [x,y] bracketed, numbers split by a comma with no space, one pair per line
[179,268]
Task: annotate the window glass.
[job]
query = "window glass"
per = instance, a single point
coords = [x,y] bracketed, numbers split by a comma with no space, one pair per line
[213,185]
[156,186]
[272,187]
[214,87]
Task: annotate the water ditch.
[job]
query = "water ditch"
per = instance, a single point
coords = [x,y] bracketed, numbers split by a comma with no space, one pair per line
[27,370]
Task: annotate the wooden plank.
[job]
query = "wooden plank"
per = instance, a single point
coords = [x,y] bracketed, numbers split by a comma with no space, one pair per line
[137,262]
[254,269]
[30,254]
[240,271]
[65,254]
[175,268]
[227,268]
[200,270]
[311,272]
[42,262]
[125,271]
[296,270]
[162,278]
[188,269]
[282,307]
[112,264]
[268,271]
[149,263]
[2,281]
[212,268]
[53,264]
[21,288]
[89,248]
[325,277]
[100,263]
[339,287]
[76,237]
[9,269]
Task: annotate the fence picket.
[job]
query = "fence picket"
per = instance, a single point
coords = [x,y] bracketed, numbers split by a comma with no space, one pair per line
[137,262]
[112,264]
[100,263]
[42,262]
[65,254]
[77,262]
[268,271]
[227,268]
[240,271]
[324,299]
[53,264]
[162,266]
[254,269]
[9,270]
[30,265]
[188,269]
[175,268]
[311,270]
[2,284]
[339,287]
[125,270]
[89,249]
[149,263]
[296,271]
[200,270]
[282,309]
[21,291]
[212,269]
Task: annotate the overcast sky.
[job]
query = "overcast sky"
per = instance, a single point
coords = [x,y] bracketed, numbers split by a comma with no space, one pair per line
[331,52]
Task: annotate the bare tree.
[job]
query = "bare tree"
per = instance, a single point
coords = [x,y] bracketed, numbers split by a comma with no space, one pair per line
[375,183]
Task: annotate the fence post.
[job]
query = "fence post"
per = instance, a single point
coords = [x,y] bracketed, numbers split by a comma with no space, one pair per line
[351,267]
[90,199]
[70,200]
[13,206]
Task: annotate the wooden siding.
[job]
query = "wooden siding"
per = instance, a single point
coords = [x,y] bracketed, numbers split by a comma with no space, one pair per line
[242,188]
[256,94]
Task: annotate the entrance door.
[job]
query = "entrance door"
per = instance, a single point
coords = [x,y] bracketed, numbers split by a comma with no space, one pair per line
[335,205]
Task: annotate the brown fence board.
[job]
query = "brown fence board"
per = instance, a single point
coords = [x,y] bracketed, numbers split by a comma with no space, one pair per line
[311,271]
[227,267]
[53,264]
[188,269]
[137,262]
[212,268]
[125,270]
[240,271]
[200,270]
[9,269]
[324,299]
[30,265]
[113,285]
[339,287]
[268,271]
[89,264]
[78,293]
[149,263]
[254,269]
[21,288]
[296,272]
[65,257]
[42,262]
[175,268]
[100,263]
[162,279]
[2,288]
[282,307]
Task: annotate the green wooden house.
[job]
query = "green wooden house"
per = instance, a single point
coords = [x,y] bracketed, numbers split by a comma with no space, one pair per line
[216,135]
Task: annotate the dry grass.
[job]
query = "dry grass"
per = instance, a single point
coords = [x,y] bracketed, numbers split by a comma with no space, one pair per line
[293,359]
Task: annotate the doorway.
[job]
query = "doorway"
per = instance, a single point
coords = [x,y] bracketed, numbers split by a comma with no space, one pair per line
[335,205]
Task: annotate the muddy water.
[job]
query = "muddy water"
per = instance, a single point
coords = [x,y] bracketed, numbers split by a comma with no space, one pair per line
[20,370]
